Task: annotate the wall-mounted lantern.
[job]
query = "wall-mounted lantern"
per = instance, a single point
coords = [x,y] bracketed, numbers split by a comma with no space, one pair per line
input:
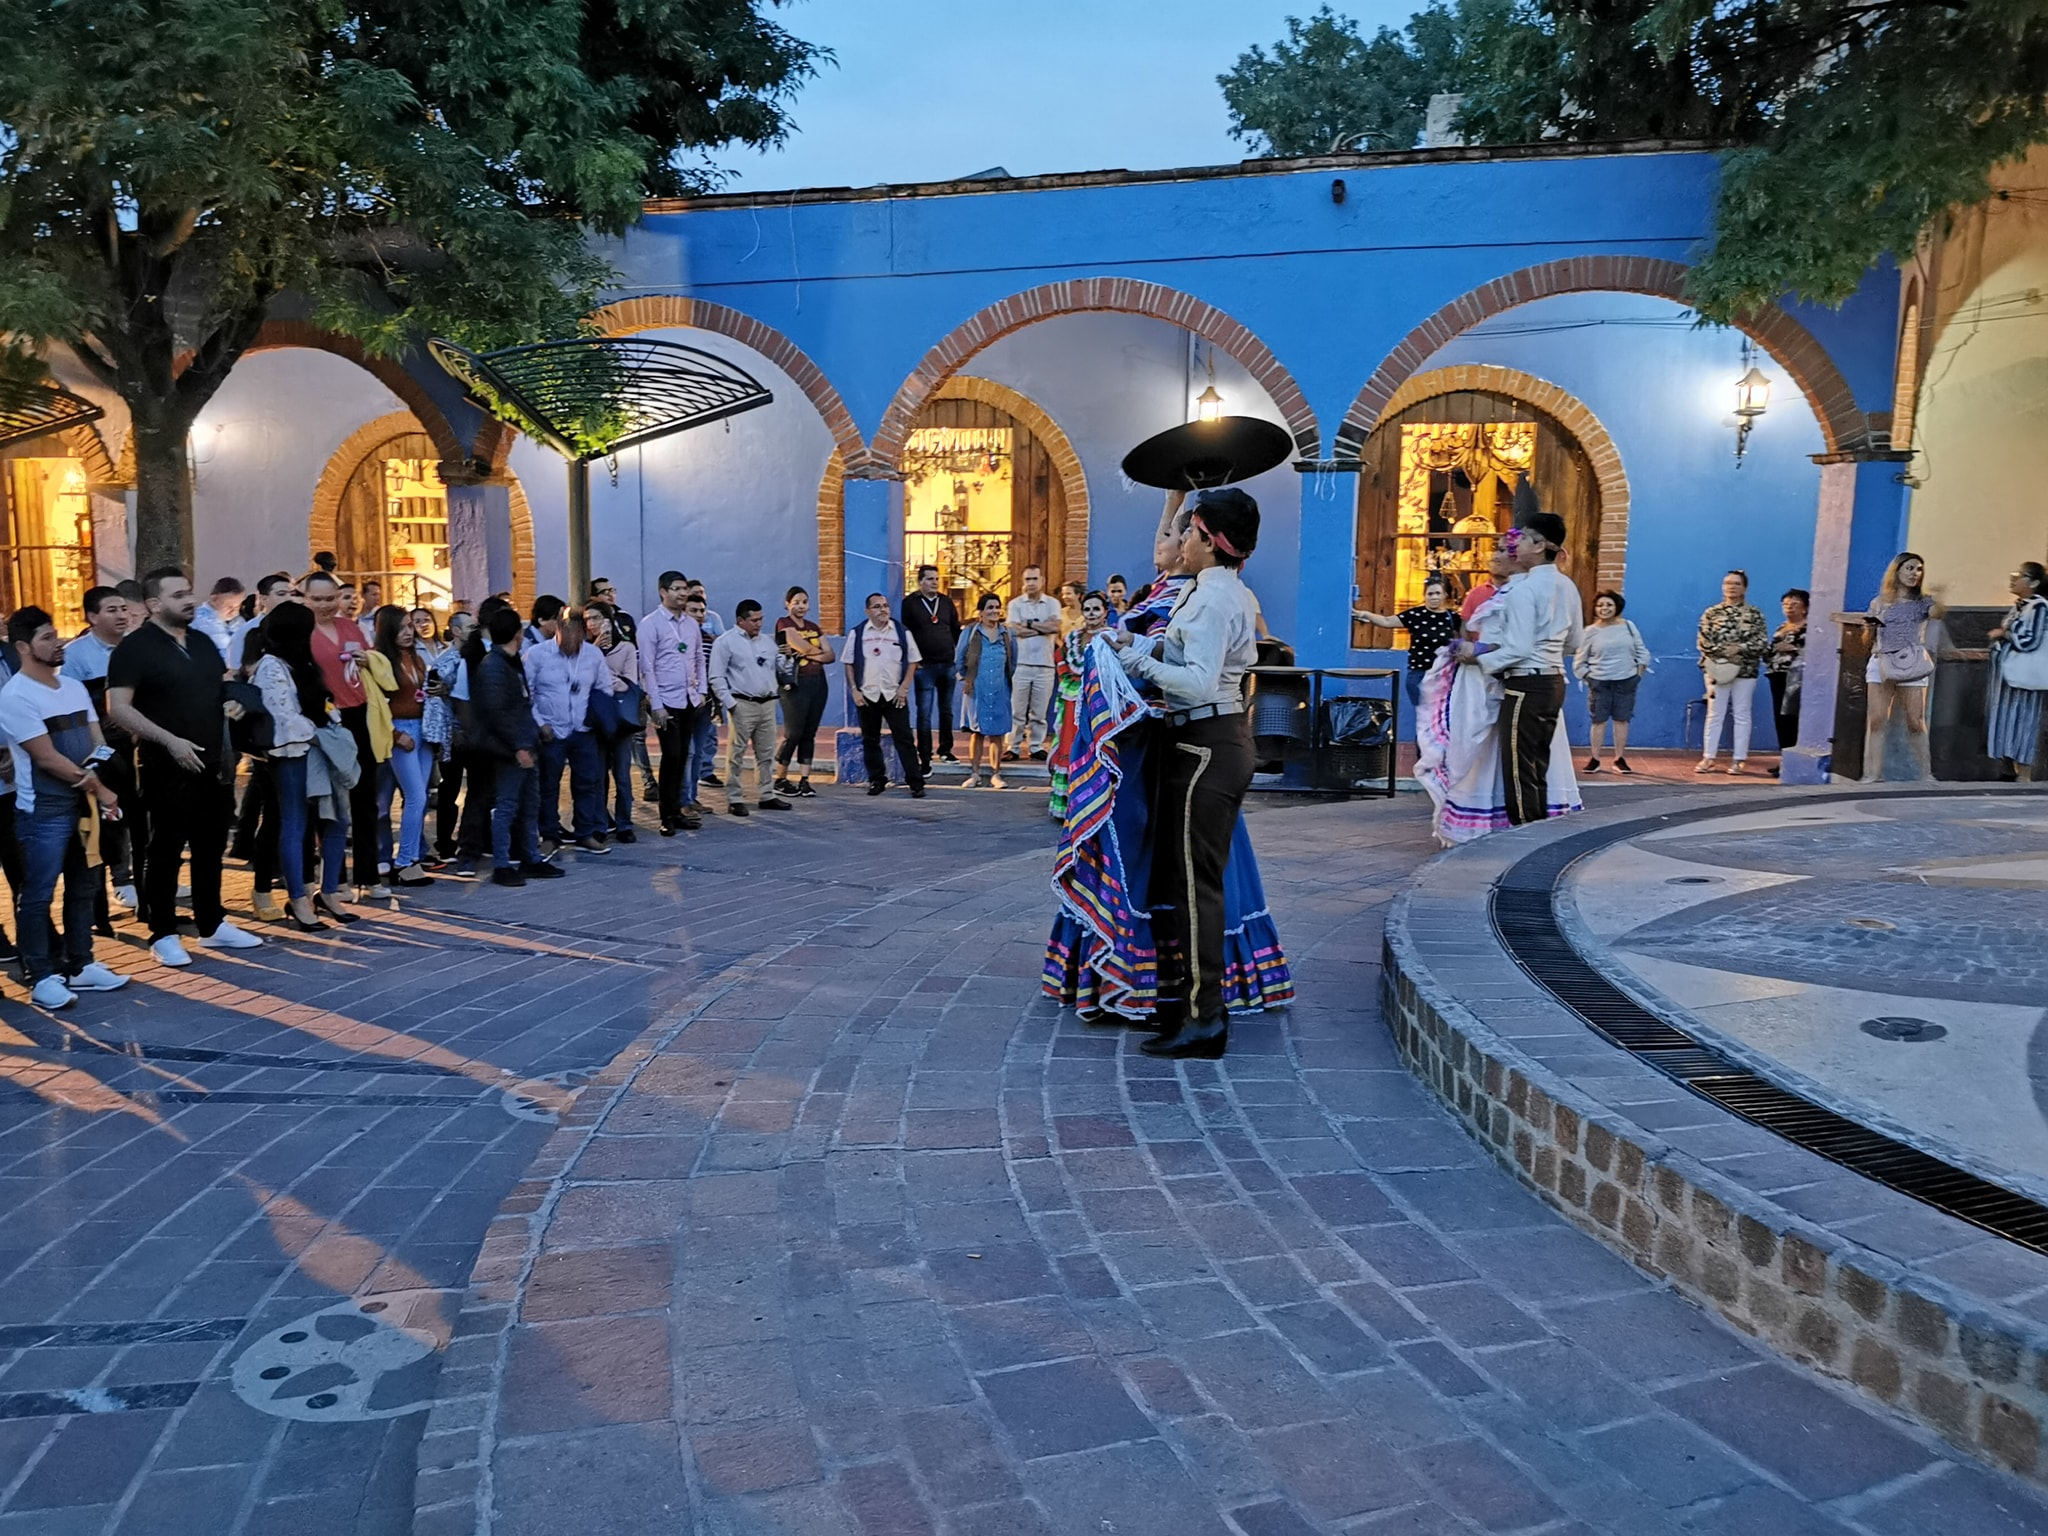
[1752,399]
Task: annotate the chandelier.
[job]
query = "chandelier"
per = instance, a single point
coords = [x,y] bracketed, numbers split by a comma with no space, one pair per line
[954,452]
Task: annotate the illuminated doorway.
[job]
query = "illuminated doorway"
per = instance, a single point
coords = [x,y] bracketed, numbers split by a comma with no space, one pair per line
[981,502]
[1436,489]
[392,525]
[49,549]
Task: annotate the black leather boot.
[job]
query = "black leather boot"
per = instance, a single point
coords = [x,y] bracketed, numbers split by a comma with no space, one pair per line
[1203,1039]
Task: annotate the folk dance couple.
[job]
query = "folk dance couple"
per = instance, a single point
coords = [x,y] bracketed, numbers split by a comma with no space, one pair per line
[1491,748]
[1162,920]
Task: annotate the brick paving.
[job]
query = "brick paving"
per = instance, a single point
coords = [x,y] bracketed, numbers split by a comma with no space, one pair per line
[844,1230]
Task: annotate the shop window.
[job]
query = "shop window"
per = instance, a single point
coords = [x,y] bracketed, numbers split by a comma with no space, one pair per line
[49,548]
[393,525]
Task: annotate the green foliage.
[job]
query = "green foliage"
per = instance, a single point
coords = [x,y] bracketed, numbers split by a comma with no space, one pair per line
[168,167]
[1848,127]
[1327,88]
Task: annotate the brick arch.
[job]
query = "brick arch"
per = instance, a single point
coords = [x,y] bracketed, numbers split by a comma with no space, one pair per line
[832,545]
[90,449]
[1065,462]
[325,513]
[278,335]
[1569,412]
[1076,296]
[660,312]
[1842,423]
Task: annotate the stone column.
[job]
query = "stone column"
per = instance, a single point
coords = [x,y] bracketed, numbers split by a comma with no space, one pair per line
[873,559]
[1858,529]
[479,540]
[1327,563]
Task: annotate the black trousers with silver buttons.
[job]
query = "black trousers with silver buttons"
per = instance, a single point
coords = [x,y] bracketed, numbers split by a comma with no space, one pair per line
[1197,777]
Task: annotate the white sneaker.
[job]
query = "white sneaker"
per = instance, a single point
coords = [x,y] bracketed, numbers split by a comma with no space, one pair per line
[124,896]
[94,977]
[228,936]
[51,992]
[169,951]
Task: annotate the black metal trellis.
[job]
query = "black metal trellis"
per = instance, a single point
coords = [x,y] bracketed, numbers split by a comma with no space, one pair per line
[41,410]
[589,397]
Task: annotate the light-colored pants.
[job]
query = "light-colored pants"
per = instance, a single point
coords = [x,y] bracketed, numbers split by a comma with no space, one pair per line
[1030,699]
[1724,699]
[752,724]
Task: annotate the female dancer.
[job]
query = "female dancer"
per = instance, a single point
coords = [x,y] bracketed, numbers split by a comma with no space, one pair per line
[1457,744]
[1900,665]
[1102,957]
[1066,694]
[2019,672]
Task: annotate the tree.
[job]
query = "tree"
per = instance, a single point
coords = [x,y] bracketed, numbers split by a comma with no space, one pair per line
[1847,127]
[169,168]
[1327,88]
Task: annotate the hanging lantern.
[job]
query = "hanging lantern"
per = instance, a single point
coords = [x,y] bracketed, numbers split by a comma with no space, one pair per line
[1752,399]
[1208,405]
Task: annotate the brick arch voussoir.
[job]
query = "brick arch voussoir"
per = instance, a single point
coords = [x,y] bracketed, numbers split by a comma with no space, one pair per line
[1076,296]
[1569,412]
[277,335]
[1842,422]
[661,312]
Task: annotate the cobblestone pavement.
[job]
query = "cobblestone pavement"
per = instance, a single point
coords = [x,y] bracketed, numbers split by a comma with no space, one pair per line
[874,1240]
[192,1169]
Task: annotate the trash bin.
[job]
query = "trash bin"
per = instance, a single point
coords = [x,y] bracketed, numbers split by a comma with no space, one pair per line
[1357,743]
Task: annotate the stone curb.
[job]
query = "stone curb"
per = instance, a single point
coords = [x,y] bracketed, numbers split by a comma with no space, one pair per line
[1969,1368]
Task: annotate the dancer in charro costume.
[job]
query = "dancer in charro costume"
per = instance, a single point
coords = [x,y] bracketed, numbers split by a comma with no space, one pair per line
[1103,955]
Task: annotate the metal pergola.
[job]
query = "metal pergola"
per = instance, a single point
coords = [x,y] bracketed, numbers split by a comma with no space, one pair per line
[40,409]
[592,396]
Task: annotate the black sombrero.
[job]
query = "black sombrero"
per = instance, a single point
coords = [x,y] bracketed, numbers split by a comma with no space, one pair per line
[1204,454]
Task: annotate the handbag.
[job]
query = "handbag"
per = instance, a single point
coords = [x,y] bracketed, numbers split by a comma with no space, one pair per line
[2024,669]
[602,714]
[1905,667]
[1723,673]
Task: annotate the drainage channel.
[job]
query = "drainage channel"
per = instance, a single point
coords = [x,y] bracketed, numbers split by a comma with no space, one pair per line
[1524,913]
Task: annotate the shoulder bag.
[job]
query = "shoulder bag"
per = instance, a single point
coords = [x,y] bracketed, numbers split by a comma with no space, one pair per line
[2026,669]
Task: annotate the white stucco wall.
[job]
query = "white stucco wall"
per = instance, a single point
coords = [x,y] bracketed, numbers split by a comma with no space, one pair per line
[258,450]
[734,504]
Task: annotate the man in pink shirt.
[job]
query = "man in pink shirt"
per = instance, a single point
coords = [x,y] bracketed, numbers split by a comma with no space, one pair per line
[672,672]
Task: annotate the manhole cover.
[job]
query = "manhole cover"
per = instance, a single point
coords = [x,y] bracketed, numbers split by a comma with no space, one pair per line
[1694,880]
[1876,924]
[1902,1027]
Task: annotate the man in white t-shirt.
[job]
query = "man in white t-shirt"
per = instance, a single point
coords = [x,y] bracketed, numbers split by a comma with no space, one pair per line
[881,668]
[1035,621]
[53,737]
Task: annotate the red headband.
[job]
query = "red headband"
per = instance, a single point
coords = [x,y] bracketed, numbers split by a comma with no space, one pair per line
[1214,537]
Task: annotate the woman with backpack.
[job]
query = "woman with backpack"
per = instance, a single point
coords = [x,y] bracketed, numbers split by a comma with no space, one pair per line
[1611,662]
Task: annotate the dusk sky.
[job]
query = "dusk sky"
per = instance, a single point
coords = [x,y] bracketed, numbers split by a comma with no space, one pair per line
[926,90]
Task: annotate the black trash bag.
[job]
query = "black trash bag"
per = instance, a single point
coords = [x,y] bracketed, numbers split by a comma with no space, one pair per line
[1349,722]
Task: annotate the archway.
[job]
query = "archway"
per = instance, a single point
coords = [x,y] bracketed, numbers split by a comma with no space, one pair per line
[381,507]
[1125,295]
[991,487]
[1437,478]
[280,334]
[1843,424]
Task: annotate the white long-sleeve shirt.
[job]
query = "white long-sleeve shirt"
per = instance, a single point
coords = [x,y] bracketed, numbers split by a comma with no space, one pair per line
[743,666]
[1541,617]
[560,684]
[1210,638]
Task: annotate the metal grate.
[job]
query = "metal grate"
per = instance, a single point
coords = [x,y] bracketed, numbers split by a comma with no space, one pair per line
[1525,919]
[597,395]
[38,410]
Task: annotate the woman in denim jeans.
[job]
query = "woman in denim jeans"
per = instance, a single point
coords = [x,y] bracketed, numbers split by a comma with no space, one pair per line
[297,700]
[411,763]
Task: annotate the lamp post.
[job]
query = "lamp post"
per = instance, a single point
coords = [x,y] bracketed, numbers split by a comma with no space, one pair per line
[1752,399]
